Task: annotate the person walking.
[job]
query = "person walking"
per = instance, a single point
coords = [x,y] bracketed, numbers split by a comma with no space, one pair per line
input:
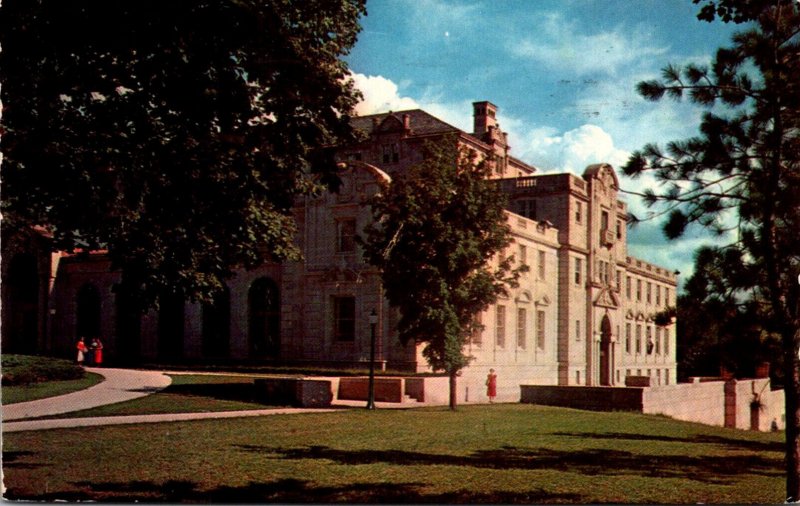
[97,347]
[82,349]
[491,385]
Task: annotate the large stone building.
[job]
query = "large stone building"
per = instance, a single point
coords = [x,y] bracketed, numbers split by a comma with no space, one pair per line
[582,315]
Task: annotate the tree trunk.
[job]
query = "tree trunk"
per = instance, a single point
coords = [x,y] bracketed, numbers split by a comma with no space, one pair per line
[792,390]
[453,382]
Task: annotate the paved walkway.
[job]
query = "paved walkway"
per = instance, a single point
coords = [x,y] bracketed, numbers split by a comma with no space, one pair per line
[122,385]
[119,385]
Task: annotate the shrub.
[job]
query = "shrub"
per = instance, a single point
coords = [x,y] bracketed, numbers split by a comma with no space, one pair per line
[25,370]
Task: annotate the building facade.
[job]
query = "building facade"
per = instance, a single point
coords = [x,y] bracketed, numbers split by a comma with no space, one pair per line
[582,315]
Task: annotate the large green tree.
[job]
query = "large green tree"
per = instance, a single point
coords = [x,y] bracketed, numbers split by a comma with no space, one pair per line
[436,228]
[742,174]
[176,134]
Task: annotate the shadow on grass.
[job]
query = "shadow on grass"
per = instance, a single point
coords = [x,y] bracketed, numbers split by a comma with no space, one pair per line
[593,462]
[734,444]
[286,491]
[244,391]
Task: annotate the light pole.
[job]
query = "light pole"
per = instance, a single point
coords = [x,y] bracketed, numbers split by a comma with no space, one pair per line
[373,320]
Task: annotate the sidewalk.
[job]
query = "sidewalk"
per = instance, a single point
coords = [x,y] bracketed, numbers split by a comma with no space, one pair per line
[119,385]
[126,384]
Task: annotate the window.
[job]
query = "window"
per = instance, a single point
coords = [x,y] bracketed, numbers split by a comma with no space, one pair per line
[650,344]
[658,341]
[578,212]
[578,270]
[521,327]
[523,254]
[666,296]
[577,330]
[658,376]
[500,327]
[638,290]
[476,336]
[603,226]
[666,376]
[649,292]
[540,330]
[527,208]
[577,377]
[638,339]
[628,287]
[658,295]
[346,236]
[627,338]
[666,341]
[391,153]
[619,229]
[541,265]
[344,318]
[619,280]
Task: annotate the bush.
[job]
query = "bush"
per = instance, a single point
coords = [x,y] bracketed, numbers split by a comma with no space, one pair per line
[25,370]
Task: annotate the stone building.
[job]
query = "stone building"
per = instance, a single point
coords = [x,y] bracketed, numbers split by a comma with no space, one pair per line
[582,315]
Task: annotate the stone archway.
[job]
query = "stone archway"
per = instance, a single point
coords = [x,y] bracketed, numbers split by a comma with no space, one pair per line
[22,332]
[606,352]
[87,313]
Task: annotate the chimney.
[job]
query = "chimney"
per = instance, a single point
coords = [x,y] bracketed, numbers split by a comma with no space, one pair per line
[406,122]
[484,117]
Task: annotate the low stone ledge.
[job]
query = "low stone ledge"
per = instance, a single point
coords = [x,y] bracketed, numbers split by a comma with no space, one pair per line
[578,397]
[357,389]
[298,392]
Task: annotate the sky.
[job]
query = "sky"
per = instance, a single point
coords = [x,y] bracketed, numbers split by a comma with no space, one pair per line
[562,74]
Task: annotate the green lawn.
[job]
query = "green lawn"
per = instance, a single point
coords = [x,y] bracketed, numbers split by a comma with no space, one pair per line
[480,454]
[186,394]
[23,393]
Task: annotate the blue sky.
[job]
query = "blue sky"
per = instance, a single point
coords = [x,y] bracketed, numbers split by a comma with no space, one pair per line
[562,73]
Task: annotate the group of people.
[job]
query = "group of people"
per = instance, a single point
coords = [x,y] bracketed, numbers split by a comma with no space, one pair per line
[92,354]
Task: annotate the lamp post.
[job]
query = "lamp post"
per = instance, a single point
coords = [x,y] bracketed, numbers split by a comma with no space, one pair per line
[373,320]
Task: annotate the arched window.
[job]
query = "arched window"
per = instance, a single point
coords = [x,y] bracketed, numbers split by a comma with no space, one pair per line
[217,325]
[264,324]
[22,333]
[87,312]
[170,325]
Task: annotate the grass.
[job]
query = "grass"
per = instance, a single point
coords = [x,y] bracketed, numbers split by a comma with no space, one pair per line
[509,453]
[29,369]
[186,394]
[34,391]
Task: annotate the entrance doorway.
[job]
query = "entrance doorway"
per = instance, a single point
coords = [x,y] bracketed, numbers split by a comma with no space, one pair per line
[605,351]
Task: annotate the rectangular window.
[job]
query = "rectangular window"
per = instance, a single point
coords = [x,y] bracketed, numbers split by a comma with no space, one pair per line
[628,287]
[578,269]
[577,330]
[666,341]
[666,296]
[527,208]
[638,339]
[603,226]
[391,153]
[619,229]
[577,377]
[346,236]
[500,327]
[649,292]
[578,212]
[540,330]
[627,338]
[477,333]
[619,280]
[666,376]
[344,318]
[650,343]
[638,290]
[522,328]
[658,341]
[523,254]
[658,376]
[541,265]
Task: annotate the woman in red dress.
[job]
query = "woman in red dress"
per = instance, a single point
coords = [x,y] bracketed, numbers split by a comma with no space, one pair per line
[81,347]
[97,346]
[491,385]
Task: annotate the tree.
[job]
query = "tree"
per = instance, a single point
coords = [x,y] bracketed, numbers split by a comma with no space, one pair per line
[175,135]
[435,228]
[742,174]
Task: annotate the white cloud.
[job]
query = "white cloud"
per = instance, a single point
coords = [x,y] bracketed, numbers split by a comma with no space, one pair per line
[380,95]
